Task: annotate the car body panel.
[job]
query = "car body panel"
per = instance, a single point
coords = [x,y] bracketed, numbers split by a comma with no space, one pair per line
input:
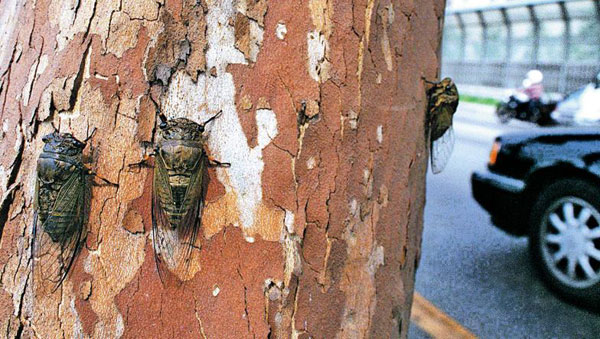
[507,189]
[501,197]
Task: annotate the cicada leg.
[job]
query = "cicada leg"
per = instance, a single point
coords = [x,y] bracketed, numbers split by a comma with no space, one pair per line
[105,181]
[146,157]
[212,162]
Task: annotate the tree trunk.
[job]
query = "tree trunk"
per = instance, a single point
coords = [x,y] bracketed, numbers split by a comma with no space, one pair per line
[314,230]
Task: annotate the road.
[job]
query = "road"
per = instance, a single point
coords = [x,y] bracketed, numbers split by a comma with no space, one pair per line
[474,272]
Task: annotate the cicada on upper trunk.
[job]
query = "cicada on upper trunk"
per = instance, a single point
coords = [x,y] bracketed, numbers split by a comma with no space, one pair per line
[443,102]
[60,207]
[179,189]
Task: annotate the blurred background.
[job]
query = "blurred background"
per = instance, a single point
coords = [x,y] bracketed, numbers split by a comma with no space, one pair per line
[478,272]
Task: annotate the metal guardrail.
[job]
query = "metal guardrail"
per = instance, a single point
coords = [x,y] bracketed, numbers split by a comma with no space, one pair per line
[562,78]
[505,5]
[497,44]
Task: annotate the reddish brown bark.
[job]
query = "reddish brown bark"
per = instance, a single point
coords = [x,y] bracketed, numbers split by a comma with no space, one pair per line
[315,229]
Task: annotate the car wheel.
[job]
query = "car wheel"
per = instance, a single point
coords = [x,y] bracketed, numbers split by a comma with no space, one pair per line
[565,239]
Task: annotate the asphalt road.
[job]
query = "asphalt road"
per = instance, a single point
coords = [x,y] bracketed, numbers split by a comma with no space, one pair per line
[474,272]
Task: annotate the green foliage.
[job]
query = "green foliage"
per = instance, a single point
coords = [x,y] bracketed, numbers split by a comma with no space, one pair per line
[478,100]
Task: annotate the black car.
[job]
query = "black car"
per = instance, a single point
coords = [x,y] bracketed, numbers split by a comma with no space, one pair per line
[545,184]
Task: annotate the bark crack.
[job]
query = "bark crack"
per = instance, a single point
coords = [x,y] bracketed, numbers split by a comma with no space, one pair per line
[245,301]
[22,321]
[7,76]
[198,319]
[87,30]
[8,199]
[79,77]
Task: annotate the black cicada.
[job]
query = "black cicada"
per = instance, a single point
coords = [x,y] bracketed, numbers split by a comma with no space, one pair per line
[443,102]
[60,203]
[179,188]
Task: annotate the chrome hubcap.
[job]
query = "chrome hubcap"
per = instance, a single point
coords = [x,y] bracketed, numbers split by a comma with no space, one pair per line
[570,240]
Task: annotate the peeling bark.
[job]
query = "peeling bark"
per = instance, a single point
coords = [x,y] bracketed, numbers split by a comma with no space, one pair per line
[315,229]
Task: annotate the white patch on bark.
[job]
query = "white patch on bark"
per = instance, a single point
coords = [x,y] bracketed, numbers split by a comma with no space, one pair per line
[256,39]
[100,76]
[266,122]
[318,65]
[221,39]
[42,64]
[318,40]
[353,119]
[289,221]
[311,163]
[293,261]
[26,93]
[376,259]
[387,15]
[380,134]
[20,140]
[353,207]
[3,174]
[281,30]
[88,59]
[77,327]
[9,16]
[120,326]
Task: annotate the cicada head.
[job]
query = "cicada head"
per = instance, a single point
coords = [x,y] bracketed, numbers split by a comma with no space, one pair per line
[445,93]
[181,129]
[62,143]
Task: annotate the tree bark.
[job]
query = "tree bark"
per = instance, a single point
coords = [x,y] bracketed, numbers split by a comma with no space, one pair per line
[314,230]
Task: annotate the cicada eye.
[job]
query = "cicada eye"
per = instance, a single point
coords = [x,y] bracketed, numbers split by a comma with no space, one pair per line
[201,128]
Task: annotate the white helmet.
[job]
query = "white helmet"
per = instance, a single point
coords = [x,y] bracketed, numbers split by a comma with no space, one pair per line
[535,76]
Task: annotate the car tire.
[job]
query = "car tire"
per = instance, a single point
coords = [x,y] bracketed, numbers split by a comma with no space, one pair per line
[565,233]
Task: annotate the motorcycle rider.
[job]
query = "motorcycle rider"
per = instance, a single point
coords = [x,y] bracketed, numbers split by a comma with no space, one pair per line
[533,88]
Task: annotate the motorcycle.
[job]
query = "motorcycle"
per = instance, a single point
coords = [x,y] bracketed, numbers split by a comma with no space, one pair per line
[518,106]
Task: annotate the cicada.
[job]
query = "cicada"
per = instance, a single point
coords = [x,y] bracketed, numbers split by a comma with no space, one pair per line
[443,102]
[179,189]
[60,207]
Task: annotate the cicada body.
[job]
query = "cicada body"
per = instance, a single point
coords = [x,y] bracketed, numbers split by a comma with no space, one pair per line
[179,188]
[443,102]
[60,204]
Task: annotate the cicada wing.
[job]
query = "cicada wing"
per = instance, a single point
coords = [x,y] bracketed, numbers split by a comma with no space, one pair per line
[441,150]
[173,245]
[162,239]
[53,258]
[194,200]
